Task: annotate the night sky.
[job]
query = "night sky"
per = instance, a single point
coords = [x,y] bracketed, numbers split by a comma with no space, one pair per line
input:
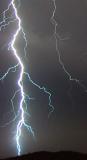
[66,128]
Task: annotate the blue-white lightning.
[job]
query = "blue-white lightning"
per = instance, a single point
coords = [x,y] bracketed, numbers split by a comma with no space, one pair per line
[59,38]
[21,112]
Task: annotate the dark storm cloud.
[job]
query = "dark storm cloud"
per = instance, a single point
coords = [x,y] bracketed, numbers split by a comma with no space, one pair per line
[72,19]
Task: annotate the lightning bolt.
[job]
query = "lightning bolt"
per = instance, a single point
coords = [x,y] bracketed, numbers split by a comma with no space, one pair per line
[21,112]
[59,38]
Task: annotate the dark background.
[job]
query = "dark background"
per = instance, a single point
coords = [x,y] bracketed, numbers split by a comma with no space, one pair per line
[66,129]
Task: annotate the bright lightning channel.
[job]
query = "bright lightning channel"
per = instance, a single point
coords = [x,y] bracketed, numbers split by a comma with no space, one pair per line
[59,38]
[22,112]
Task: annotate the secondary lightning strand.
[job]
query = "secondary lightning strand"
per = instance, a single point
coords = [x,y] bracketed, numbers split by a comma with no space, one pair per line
[16,115]
[7,72]
[21,111]
[45,90]
[57,37]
